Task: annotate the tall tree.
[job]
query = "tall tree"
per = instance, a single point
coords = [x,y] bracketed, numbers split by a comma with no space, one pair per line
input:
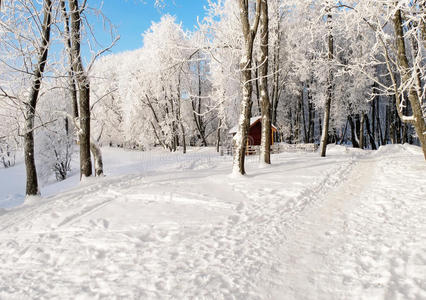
[77,75]
[324,136]
[67,40]
[265,148]
[30,106]
[249,34]
[83,87]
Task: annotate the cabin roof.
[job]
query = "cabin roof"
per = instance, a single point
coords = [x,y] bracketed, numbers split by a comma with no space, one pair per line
[253,121]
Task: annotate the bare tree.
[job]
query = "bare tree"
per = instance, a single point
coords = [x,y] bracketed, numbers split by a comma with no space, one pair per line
[67,41]
[249,34]
[78,76]
[83,87]
[265,148]
[197,104]
[324,137]
[30,106]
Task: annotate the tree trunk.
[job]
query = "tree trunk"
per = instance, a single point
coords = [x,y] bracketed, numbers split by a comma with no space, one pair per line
[97,157]
[354,140]
[370,133]
[30,167]
[257,84]
[84,90]
[183,138]
[387,124]
[361,131]
[67,40]
[249,34]
[297,131]
[218,136]
[290,118]
[85,159]
[196,109]
[302,111]
[324,136]
[311,119]
[379,134]
[343,138]
[276,67]
[392,125]
[266,135]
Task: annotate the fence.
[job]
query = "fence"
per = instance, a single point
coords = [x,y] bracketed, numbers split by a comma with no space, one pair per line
[282,147]
[276,148]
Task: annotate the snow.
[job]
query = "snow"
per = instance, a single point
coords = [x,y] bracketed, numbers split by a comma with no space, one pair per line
[174,226]
[12,182]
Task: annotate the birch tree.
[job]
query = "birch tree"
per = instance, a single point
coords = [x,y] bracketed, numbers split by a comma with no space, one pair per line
[249,34]
[330,40]
[265,148]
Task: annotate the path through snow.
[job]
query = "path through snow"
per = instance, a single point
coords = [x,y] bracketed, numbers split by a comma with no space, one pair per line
[350,226]
[365,239]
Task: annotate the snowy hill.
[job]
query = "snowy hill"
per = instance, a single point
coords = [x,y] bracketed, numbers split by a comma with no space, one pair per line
[174,226]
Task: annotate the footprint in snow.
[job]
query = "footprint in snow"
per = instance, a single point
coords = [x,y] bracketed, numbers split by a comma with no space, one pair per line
[105,223]
[234,219]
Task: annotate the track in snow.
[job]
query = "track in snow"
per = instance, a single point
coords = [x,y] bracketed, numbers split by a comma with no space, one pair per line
[345,227]
[365,239]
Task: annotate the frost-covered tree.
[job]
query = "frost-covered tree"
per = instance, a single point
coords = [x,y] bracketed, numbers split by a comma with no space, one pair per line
[145,96]
[9,131]
[329,93]
[79,83]
[263,61]
[398,28]
[8,149]
[159,95]
[106,109]
[249,30]
[224,39]
[55,140]
[83,84]
[157,87]
[25,42]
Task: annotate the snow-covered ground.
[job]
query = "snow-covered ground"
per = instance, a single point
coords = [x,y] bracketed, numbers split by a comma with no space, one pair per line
[173,226]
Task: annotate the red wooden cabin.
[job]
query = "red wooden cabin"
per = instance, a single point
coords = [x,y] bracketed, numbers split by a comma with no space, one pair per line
[255,132]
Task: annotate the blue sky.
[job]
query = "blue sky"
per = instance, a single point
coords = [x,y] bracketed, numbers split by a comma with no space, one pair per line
[134,17]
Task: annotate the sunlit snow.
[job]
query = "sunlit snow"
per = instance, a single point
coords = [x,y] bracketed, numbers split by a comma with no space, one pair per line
[174,226]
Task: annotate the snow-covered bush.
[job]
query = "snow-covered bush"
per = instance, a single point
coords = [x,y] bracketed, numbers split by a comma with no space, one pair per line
[55,138]
[55,151]
[9,132]
[8,148]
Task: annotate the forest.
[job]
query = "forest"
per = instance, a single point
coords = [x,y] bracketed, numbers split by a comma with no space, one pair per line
[267,149]
[343,72]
